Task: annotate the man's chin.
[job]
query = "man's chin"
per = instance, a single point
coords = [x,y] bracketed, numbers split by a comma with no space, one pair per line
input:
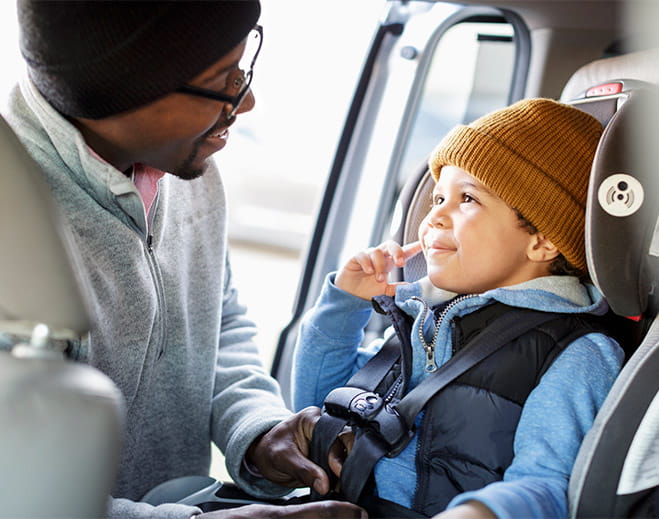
[189,174]
[190,170]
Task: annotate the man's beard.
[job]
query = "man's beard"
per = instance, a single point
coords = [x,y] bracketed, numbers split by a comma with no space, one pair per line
[186,170]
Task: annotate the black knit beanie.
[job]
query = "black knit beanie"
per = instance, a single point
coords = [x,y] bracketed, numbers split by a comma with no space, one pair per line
[93,59]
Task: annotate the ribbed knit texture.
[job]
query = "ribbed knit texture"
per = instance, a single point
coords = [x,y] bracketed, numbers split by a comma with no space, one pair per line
[536,155]
[93,59]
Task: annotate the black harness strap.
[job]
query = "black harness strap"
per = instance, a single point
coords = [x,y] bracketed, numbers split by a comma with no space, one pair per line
[389,428]
[368,446]
[377,367]
[325,432]
[509,326]
[367,378]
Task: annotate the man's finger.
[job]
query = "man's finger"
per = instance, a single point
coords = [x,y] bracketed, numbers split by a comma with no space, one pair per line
[310,475]
[314,510]
[304,469]
[336,457]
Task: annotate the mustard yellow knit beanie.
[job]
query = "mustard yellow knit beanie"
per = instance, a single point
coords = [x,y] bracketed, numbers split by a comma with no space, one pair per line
[536,155]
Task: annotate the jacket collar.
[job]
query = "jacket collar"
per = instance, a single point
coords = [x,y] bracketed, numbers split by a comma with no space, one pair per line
[106,184]
[564,294]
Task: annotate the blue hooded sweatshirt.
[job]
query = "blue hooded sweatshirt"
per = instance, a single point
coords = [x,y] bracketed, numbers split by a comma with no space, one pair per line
[555,418]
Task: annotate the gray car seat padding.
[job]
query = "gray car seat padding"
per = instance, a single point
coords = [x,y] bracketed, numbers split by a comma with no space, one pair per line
[616,467]
[596,475]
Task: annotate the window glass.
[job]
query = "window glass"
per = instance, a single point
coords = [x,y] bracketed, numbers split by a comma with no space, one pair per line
[470,74]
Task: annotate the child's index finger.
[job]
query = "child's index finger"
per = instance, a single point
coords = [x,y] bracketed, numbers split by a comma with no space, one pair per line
[411,249]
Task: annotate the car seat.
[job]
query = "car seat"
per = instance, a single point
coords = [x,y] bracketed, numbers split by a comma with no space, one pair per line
[61,421]
[615,474]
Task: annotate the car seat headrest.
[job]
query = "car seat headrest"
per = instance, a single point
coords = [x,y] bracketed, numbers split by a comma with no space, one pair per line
[39,282]
[622,246]
[414,203]
[603,100]
[642,66]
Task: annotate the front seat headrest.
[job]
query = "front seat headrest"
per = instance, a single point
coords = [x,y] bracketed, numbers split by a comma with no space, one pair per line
[40,280]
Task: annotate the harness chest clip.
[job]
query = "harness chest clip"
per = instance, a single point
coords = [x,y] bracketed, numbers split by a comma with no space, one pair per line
[368,410]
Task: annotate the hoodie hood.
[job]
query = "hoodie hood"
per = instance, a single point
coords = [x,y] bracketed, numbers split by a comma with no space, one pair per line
[564,294]
[560,294]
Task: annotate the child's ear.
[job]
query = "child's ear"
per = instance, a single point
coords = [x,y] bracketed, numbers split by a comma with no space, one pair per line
[541,249]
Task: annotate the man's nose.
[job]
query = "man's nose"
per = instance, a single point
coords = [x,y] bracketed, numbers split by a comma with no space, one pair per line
[248,103]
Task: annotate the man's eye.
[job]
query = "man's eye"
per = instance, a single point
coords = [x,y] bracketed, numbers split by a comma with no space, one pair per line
[220,83]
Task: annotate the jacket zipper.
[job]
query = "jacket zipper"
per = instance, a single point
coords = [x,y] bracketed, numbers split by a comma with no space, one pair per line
[431,365]
[157,279]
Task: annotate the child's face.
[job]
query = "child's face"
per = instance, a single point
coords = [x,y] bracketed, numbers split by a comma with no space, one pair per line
[472,239]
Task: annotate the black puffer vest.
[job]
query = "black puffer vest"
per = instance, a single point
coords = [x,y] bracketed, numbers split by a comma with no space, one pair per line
[466,438]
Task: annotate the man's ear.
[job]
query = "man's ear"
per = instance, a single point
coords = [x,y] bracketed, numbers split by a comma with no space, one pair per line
[541,249]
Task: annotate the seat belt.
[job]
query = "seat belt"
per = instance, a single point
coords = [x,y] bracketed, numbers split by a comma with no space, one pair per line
[387,428]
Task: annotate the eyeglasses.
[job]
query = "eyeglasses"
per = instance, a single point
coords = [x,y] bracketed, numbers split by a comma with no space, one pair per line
[238,80]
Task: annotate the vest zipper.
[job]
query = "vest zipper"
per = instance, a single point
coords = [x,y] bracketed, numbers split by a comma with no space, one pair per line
[431,365]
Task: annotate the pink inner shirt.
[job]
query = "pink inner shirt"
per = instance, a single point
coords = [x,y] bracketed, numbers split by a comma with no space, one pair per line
[146,181]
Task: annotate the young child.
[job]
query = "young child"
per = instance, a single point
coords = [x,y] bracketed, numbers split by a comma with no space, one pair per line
[506,226]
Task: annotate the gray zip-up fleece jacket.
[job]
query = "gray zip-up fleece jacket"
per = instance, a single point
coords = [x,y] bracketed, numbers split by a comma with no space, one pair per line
[167,325]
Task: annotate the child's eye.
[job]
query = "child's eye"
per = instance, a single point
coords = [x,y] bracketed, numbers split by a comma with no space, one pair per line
[466,197]
[437,199]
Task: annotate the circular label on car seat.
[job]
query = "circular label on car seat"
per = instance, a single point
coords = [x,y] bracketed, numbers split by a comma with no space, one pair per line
[620,195]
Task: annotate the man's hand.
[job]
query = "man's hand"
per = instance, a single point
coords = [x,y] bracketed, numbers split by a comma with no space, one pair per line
[365,275]
[281,454]
[315,510]
[340,449]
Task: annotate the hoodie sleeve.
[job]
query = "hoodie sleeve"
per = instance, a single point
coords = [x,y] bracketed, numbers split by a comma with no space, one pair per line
[246,400]
[327,352]
[556,417]
[124,508]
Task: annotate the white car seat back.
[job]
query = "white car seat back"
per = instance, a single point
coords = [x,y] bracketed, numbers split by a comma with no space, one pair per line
[38,278]
[61,421]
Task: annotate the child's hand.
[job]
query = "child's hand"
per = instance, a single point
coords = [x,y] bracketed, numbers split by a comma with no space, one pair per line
[467,510]
[366,274]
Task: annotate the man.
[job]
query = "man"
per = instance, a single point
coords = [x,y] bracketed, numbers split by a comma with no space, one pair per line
[124,106]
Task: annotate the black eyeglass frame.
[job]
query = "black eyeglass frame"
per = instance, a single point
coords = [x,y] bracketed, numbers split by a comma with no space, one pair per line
[234,101]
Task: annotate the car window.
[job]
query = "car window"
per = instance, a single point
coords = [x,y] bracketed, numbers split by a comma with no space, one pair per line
[469,74]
